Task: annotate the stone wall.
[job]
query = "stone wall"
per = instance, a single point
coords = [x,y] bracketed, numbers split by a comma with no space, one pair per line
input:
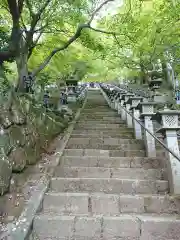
[26,129]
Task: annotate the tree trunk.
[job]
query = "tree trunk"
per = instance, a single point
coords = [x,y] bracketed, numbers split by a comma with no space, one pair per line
[144,75]
[167,75]
[22,68]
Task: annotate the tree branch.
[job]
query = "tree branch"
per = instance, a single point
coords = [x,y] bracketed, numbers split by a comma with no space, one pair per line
[15,10]
[101,31]
[72,39]
[98,9]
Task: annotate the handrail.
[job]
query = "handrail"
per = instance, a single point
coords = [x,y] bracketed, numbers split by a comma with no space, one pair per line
[156,138]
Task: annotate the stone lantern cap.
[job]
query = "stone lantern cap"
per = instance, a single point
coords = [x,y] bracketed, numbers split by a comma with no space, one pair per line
[168,119]
[134,99]
[155,83]
[127,95]
[149,106]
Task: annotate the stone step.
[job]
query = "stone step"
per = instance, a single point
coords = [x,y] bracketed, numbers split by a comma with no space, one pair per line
[108,204]
[104,140]
[130,227]
[99,118]
[105,144]
[107,131]
[102,172]
[98,110]
[116,162]
[106,185]
[94,135]
[103,153]
[99,114]
[123,147]
[94,122]
[99,126]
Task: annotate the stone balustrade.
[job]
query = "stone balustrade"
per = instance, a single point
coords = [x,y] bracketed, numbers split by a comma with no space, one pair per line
[134,109]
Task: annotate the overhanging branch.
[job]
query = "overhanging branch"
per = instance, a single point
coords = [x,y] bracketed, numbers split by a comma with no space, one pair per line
[73,38]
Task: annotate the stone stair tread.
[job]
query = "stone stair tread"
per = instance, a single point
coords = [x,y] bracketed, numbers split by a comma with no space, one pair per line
[102,135]
[99,172]
[103,161]
[131,227]
[113,185]
[102,152]
[109,204]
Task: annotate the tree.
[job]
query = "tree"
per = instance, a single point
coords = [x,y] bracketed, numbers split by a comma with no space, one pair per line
[32,20]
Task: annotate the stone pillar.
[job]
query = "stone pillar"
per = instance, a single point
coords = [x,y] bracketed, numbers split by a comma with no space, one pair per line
[127,105]
[120,102]
[134,101]
[130,105]
[169,122]
[124,98]
[147,111]
[116,101]
[113,95]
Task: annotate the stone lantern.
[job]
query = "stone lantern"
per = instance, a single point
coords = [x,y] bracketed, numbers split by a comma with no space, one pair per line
[125,98]
[119,100]
[146,113]
[154,85]
[133,102]
[169,126]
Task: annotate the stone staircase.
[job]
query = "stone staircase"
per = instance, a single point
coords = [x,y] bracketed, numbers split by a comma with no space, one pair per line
[105,188]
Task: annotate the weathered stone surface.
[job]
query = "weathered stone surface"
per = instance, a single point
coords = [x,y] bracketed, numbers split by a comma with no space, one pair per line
[17,115]
[5,117]
[87,228]
[5,144]
[32,154]
[105,204]
[46,227]
[131,204]
[5,174]
[17,159]
[159,228]
[17,136]
[66,203]
[90,172]
[125,227]
[108,185]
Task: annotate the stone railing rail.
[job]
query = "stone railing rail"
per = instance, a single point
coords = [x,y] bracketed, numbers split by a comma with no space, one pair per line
[132,108]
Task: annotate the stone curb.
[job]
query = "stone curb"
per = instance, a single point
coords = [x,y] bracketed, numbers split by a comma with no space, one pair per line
[20,230]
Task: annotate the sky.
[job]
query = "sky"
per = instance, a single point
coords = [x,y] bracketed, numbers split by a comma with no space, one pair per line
[110,8]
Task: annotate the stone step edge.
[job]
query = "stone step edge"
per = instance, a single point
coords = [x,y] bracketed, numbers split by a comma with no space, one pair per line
[101,194]
[135,216]
[120,158]
[108,179]
[110,168]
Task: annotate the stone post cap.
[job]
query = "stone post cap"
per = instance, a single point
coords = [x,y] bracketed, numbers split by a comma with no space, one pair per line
[168,119]
[155,83]
[126,96]
[134,98]
[146,106]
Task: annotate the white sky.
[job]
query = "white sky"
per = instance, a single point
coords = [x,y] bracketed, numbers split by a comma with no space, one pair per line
[109,8]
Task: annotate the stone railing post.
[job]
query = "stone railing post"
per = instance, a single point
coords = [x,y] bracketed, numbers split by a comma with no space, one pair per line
[116,101]
[124,98]
[121,101]
[127,105]
[169,122]
[134,101]
[147,111]
[112,98]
